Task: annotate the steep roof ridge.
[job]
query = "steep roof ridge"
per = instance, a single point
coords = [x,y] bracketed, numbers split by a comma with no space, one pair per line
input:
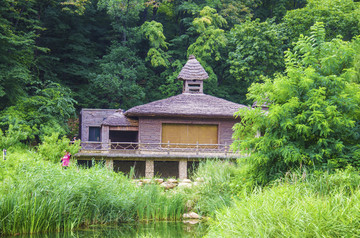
[192,70]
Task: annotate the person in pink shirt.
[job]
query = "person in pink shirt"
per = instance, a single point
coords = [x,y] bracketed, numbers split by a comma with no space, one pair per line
[66,159]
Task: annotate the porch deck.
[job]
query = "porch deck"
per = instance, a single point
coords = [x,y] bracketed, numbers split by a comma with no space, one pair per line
[156,150]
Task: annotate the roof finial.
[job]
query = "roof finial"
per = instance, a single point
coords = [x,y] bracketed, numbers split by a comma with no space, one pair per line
[192,70]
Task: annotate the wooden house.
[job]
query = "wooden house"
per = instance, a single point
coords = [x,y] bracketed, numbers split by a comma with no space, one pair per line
[165,137]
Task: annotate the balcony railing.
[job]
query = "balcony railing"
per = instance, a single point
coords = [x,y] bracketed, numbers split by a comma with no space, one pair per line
[146,148]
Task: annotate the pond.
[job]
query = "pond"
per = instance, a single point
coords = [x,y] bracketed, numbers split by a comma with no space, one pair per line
[132,230]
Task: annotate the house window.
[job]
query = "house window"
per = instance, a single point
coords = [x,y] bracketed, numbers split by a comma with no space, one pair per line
[94,133]
[189,134]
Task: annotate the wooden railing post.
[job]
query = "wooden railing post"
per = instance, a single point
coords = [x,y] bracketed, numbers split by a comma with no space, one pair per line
[168,147]
[180,149]
[225,147]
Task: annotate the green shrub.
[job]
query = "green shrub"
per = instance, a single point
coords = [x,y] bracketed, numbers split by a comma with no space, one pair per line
[52,148]
[13,136]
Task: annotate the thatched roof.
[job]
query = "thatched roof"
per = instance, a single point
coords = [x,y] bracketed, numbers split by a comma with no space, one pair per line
[119,119]
[192,70]
[187,105]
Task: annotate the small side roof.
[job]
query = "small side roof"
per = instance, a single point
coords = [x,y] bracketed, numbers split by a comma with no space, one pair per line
[193,70]
[119,119]
[187,105]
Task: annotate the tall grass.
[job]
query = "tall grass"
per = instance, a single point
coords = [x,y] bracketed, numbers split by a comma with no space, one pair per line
[38,196]
[316,205]
[216,191]
[153,203]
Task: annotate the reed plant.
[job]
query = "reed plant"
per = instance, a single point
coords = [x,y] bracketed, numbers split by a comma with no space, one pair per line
[38,196]
[153,203]
[302,205]
[216,190]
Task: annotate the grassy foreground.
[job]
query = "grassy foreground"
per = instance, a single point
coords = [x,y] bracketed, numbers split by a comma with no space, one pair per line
[38,196]
[316,206]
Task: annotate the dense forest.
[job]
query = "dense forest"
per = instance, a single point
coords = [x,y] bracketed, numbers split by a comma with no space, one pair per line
[58,56]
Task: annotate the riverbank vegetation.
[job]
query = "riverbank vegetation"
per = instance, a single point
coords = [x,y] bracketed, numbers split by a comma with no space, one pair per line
[297,205]
[37,196]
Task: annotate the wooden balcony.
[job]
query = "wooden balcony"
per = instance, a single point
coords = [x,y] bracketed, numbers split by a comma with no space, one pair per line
[156,150]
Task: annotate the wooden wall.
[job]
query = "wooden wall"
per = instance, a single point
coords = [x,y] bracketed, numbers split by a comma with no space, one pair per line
[92,118]
[150,128]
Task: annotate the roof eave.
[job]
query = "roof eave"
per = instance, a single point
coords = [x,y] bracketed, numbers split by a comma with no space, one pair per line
[142,114]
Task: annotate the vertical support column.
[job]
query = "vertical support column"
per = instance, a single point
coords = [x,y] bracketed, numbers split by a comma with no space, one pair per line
[149,168]
[109,164]
[105,138]
[183,169]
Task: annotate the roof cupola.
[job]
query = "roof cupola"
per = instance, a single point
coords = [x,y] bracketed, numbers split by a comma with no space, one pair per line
[192,75]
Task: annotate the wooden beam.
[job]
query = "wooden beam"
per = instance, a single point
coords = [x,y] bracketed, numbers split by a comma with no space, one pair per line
[124,128]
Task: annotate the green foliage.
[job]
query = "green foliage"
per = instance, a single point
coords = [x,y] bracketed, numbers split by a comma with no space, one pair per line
[116,8]
[340,17]
[133,50]
[13,136]
[125,14]
[313,116]
[209,47]
[52,148]
[256,49]
[117,86]
[276,8]
[76,6]
[18,27]
[235,11]
[211,38]
[323,183]
[75,43]
[153,31]
[40,114]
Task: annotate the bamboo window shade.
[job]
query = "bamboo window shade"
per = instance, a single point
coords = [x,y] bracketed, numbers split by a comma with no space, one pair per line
[189,134]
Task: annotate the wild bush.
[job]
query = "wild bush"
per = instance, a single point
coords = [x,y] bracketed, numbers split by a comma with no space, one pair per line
[313,119]
[53,147]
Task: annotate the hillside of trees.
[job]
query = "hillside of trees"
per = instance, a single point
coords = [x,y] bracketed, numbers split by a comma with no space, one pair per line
[58,56]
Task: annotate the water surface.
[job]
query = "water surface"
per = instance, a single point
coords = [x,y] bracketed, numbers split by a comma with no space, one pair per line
[132,230]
